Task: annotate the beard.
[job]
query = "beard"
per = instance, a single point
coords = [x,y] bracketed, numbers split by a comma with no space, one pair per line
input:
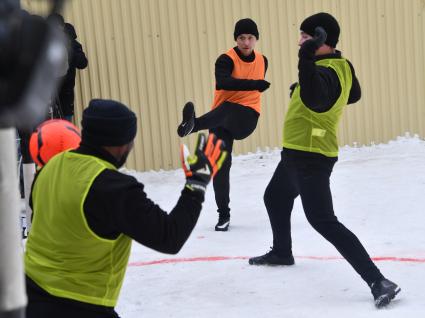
[123,159]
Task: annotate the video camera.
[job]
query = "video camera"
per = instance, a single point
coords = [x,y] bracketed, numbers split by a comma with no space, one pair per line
[32,51]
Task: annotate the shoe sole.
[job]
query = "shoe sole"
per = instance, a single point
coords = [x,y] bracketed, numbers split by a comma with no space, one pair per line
[268,264]
[188,113]
[384,300]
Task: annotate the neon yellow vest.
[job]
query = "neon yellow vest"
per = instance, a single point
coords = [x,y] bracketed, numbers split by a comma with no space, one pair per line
[63,256]
[310,131]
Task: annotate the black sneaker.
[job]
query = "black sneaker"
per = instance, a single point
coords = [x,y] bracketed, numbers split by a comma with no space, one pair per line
[188,122]
[383,292]
[223,223]
[271,258]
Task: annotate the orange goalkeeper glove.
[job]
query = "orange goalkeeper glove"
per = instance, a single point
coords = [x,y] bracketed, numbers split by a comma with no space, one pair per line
[202,166]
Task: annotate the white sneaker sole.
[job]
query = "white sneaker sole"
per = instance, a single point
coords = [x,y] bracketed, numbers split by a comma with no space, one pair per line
[223,227]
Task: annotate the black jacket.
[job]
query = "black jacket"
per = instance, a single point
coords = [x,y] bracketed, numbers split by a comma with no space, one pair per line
[117,203]
[223,73]
[76,60]
[319,89]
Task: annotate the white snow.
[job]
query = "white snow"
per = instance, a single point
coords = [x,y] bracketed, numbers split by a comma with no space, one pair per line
[378,193]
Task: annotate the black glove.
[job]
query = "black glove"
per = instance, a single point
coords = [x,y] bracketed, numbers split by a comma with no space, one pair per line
[292,88]
[309,47]
[202,166]
[262,85]
[320,36]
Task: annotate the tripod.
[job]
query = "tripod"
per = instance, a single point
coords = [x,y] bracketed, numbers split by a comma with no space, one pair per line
[55,108]
[26,168]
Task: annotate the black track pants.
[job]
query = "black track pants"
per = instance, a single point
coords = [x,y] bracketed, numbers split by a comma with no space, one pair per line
[43,305]
[309,178]
[239,121]
[228,122]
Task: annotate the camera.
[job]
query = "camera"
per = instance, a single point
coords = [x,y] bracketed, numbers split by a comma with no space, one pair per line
[32,52]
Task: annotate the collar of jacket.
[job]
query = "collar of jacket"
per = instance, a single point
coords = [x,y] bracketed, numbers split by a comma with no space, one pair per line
[96,151]
[249,58]
[336,55]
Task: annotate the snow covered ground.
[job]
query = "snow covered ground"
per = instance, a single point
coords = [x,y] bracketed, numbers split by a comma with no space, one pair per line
[379,193]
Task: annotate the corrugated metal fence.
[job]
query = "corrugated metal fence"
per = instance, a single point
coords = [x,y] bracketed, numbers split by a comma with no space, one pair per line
[154,55]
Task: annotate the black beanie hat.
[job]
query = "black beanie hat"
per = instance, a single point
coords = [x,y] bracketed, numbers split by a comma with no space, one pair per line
[327,22]
[246,26]
[108,123]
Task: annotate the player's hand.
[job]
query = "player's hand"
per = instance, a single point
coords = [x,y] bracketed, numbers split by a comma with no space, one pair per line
[320,36]
[309,47]
[205,162]
[262,85]
[292,88]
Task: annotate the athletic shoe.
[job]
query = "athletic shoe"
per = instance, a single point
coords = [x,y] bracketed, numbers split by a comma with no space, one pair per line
[272,258]
[223,223]
[383,292]
[188,122]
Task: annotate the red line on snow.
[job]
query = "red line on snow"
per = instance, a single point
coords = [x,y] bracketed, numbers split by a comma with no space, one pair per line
[226,258]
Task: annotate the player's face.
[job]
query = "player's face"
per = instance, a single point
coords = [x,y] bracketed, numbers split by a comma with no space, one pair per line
[246,43]
[125,152]
[304,37]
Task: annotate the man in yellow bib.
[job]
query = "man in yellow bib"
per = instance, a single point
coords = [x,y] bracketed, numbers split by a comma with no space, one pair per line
[239,75]
[86,213]
[327,82]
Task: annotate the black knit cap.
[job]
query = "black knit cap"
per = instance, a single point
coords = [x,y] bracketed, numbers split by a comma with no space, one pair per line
[246,26]
[108,123]
[326,21]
